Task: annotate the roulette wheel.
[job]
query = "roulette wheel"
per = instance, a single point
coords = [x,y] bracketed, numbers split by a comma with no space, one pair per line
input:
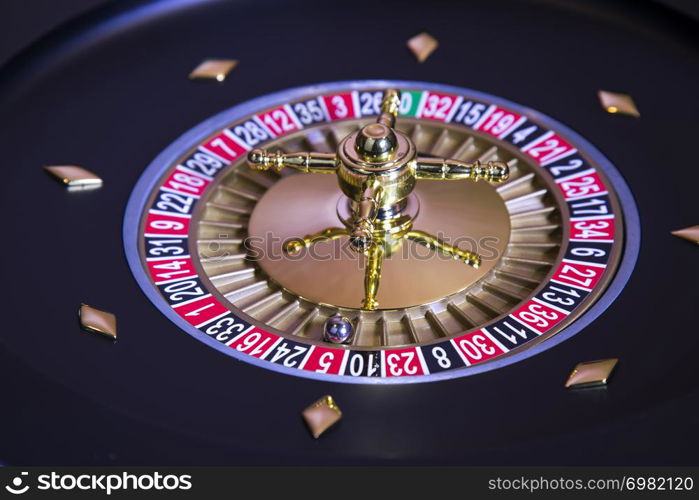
[482,225]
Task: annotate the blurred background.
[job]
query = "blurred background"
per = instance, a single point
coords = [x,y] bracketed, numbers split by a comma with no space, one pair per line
[24,21]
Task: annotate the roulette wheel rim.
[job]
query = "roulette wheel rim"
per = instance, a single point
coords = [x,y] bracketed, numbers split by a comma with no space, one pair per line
[147,183]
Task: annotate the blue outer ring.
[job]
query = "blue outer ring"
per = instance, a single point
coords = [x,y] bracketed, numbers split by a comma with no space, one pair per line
[148,180]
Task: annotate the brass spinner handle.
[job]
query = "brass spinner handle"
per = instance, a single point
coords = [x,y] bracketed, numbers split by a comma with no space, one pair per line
[453,170]
[362,232]
[315,163]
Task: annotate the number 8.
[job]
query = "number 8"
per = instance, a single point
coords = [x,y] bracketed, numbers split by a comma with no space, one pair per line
[441,356]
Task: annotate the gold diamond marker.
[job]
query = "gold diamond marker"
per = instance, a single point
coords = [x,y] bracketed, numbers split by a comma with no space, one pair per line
[591,373]
[96,321]
[618,103]
[75,178]
[322,415]
[422,46]
[213,69]
[688,233]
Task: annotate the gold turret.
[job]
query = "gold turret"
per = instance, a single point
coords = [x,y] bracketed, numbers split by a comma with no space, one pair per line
[377,168]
